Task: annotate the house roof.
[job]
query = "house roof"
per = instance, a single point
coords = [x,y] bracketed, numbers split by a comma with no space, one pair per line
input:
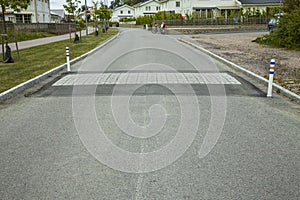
[146,2]
[261,1]
[118,8]
[58,12]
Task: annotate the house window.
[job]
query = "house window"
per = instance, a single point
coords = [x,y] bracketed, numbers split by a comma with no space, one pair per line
[23,18]
[121,11]
[27,18]
[128,11]
[157,8]
[11,19]
[148,8]
[177,3]
[19,18]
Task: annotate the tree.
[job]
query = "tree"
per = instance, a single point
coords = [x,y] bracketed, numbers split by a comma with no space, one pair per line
[290,5]
[133,2]
[116,3]
[103,12]
[95,12]
[72,7]
[287,34]
[16,5]
[82,8]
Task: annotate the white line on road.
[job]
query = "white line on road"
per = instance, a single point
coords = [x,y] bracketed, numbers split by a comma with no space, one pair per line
[146,78]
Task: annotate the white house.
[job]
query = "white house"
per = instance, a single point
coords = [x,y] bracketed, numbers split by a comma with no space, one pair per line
[205,8]
[38,11]
[57,15]
[202,7]
[124,11]
[260,5]
[148,8]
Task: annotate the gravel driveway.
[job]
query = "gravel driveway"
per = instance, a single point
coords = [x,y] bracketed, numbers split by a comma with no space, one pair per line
[240,49]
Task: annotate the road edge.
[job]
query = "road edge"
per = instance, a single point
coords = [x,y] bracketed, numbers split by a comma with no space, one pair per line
[258,78]
[23,86]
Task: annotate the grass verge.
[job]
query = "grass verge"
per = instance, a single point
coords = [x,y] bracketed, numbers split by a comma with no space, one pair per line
[26,35]
[37,60]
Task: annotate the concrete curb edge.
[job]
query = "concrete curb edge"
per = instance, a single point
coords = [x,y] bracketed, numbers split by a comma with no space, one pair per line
[262,80]
[23,86]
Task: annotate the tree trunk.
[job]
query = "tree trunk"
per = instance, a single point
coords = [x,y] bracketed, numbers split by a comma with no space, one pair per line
[3,19]
[4,29]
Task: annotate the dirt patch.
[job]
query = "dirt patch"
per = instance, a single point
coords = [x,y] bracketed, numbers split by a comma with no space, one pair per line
[241,50]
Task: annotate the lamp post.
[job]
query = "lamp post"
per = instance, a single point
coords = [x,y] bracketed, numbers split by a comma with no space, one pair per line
[86,21]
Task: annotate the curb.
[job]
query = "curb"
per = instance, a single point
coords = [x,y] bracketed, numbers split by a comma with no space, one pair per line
[23,86]
[258,78]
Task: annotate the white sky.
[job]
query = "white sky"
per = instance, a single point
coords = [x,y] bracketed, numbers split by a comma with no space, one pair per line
[58,4]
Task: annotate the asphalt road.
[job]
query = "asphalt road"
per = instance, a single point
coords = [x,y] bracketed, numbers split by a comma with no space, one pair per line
[148,117]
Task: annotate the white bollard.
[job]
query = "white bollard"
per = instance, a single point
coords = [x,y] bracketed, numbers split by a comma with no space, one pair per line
[68,59]
[271,75]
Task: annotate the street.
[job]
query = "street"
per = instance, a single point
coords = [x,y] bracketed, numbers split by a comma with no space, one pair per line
[148,117]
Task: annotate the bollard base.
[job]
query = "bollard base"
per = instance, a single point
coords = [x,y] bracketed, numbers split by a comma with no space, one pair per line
[8,58]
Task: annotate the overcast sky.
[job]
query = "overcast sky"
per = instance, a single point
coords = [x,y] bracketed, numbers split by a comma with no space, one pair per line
[58,4]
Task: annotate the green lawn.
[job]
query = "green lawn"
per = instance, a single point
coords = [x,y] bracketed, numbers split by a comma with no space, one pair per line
[37,60]
[26,35]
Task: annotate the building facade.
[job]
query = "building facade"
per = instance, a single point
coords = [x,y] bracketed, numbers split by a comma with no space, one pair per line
[124,11]
[57,15]
[205,8]
[38,11]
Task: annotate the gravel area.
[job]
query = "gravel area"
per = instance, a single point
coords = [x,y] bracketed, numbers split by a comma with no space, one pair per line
[240,49]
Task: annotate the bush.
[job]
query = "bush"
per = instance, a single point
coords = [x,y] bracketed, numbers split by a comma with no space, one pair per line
[116,24]
[163,15]
[287,34]
[158,16]
[144,20]
[127,19]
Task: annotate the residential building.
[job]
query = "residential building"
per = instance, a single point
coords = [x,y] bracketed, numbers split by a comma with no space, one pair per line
[205,8]
[260,5]
[148,8]
[38,11]
[124,11]
[57,15]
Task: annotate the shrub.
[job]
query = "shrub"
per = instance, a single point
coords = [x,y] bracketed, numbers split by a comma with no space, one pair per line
[127,19]
[287,34]
[149,19]
[144,20]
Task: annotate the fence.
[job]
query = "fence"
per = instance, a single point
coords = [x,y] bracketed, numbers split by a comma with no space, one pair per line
[216,21]
[41,27]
